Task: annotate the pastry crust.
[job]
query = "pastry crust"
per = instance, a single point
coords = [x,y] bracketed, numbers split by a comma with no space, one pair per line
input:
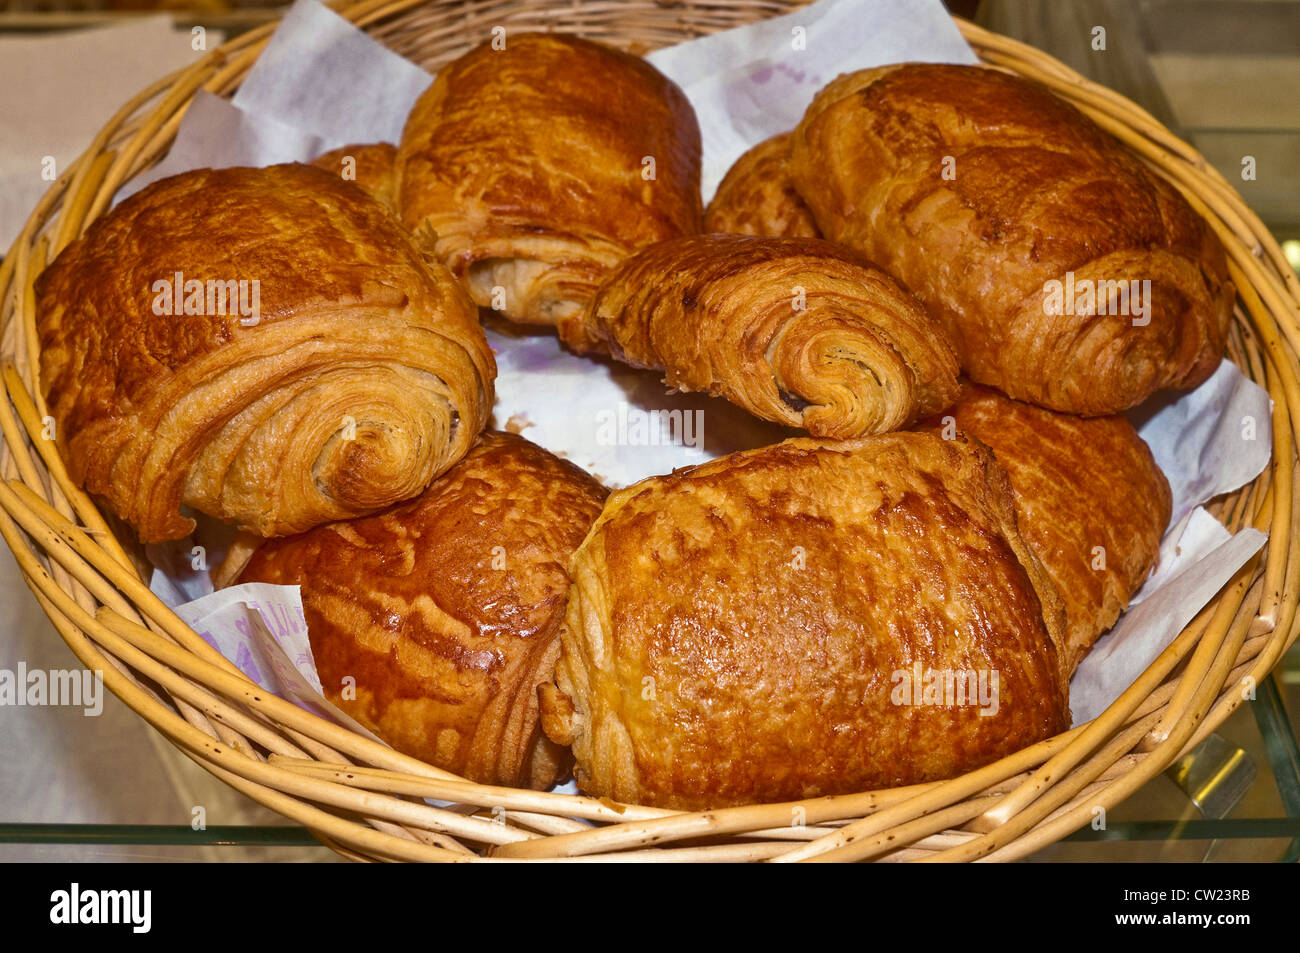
[445,610]
[370,166]
[795,330]
[1090,502]
[758,197]
[977,190]
[540,166]
[740,631]
[362,375]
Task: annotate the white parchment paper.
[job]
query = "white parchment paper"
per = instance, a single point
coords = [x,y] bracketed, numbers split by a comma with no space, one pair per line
[261,628]
[323,84]
[755,82]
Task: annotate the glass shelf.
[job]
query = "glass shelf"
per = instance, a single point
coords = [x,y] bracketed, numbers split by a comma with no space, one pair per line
[1158,822]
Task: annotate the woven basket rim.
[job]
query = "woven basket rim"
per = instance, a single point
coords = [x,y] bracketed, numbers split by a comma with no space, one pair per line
[364,800]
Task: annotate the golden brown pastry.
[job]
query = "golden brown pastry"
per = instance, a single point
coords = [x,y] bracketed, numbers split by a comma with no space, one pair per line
[266,346]
[764,627]
[1090,502]
[445,610]
[979,191]
[369,165]
[795,330]
[542,165]
[757,196]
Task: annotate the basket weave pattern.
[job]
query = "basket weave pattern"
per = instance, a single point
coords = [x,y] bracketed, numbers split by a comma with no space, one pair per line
[366,801]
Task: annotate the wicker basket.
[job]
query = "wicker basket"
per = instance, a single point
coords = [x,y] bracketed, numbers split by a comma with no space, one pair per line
[367,802]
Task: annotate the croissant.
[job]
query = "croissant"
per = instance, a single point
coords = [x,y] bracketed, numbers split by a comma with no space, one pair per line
[265,346]
[803,620]
[757,196]
[444,611]
[794,330]
[1069,275]
[1090,502]
[369,165]
[542,165]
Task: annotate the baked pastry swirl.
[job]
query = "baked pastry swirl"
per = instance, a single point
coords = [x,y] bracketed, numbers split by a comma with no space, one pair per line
[266,346]
[541,166]
[795,330]
[753,629]
[1070,275]
[444,611]
[758,197]
[1090,502]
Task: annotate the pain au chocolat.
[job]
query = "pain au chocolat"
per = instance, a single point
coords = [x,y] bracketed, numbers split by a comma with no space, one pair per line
[803,620]
[1090,502]
[758,197]
[444,611]
[1069,274]
[369,165]
[266,346]
[538,167]
[795,330]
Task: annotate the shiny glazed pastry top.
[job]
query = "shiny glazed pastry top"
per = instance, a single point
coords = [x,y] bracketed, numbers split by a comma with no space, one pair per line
[369,166]
[758,197]
[1070,275]
[1090,502]
[266,346]
[542,165]
[762,627]
[445,610]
